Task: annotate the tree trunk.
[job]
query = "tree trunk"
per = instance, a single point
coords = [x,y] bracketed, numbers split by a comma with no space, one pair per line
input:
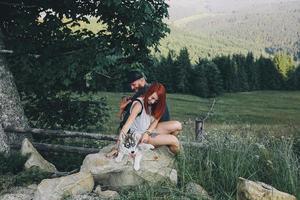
[11,110]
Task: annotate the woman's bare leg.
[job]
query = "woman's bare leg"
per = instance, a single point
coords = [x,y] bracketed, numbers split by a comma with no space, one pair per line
[170,140]
[169,127]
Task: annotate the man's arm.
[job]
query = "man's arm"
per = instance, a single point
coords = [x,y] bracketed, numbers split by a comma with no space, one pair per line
[122,105]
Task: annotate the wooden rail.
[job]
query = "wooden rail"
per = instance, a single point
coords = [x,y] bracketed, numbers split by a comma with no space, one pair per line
[73,134]
[61,133]
[59,148]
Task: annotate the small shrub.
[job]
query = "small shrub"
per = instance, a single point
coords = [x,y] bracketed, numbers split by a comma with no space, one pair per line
[30,176]
[12,163]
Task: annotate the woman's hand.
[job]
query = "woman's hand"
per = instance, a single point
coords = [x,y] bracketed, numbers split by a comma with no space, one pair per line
[145,138]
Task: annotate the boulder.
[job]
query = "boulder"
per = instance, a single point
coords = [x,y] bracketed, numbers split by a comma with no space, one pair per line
[250,190]
[35,159]
[156,165]
[196,190]
[16,193]
[57,188]
[107,194]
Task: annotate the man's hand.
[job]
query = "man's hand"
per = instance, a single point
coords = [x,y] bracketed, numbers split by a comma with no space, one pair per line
[124,102]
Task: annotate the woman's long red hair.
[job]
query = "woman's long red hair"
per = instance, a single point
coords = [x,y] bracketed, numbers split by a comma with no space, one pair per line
[157,109]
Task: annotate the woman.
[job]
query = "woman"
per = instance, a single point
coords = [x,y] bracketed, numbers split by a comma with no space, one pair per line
[144,117]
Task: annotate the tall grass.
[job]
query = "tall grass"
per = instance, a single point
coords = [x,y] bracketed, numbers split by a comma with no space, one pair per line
[228,156]
[223,159]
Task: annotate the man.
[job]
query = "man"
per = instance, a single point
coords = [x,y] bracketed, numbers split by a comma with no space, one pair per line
[139,85]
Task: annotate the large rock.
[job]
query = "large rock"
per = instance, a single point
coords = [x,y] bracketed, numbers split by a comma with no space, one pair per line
[35,159]
[196,190]
[58,188]
[156,165]
[19,193]
[249,190]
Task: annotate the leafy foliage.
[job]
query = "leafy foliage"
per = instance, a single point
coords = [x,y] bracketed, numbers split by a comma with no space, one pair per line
[284,63]
[67,112]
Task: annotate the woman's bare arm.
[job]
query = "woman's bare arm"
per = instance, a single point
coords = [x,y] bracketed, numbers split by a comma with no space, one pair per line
[136,109]
[153,125]
[145,138]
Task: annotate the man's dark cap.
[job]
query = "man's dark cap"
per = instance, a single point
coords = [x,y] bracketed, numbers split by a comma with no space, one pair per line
[134,75]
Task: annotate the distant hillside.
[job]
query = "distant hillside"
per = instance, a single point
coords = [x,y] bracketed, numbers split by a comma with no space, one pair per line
[215,27]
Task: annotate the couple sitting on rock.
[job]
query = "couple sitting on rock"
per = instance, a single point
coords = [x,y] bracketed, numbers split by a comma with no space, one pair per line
[148,114]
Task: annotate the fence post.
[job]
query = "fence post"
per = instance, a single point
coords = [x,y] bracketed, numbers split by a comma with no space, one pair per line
[199,124]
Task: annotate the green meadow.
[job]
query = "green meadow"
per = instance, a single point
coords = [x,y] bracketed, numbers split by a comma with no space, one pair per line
[274,111]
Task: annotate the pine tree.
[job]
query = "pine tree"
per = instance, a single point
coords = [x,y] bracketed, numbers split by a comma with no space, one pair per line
[269,76]
[182,72]
[198,82]
[165,70]
[226,71]
[214,80]
[242,78]
[293,81]
[251,71]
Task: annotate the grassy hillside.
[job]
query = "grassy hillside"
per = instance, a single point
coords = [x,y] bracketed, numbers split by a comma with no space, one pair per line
[201,45]
[214,27]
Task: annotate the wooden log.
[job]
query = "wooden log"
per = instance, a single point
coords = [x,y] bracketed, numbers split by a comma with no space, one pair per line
[85,151]
[61,133]
[60,148]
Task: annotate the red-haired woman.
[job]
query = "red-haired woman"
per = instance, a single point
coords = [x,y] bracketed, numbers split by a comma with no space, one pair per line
[144,118]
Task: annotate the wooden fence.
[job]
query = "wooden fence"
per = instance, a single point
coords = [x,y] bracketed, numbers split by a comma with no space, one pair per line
[75,134]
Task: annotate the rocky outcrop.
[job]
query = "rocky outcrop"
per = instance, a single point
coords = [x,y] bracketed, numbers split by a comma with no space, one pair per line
[250,190]
[35,159]
[57,188]
[197,191]
[156,165]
